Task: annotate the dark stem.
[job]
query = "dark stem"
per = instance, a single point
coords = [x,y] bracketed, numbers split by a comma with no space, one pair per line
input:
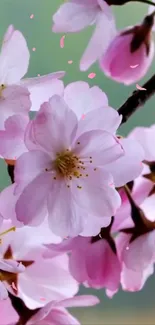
[137,99]
[122,2]
[24,313]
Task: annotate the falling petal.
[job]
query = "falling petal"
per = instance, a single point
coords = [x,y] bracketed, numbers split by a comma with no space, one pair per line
[92,75]
[34,49]
[62,41]
[83,116]
[70,62]
[32,16]
[134,66]
[140,88]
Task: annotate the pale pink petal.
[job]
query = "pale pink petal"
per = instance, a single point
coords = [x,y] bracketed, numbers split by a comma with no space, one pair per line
[31,205]
[72,17]
[102,146]
[140,252]
[77,258]
[8,318]
[129,166]
[44,87]
[53,117]
[11,266]
[8,210]
[82,99]
[133,280]
[148,207]
[65,219]
[39,281]
[93,225]
[103,267]
[28,166]
[139,87]
[80,301]
[104,118]
[15,100]
[14,57]
[12,139]
[144,136]
[97,196]
[99,41]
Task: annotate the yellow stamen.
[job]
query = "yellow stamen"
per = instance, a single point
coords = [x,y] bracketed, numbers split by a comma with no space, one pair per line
[6,231]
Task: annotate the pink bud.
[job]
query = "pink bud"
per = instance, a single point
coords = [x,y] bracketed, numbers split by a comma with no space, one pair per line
[130,48]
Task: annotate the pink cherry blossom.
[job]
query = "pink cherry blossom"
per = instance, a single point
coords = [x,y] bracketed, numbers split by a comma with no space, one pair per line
[49,279]
[58,167]
[18,93]
[56,313]
[121,55]
[76,15]
[99,265]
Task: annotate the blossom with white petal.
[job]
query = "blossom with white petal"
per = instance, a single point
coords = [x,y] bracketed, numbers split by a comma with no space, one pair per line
[75,15]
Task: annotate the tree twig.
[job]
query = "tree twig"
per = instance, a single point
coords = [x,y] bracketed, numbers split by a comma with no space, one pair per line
[137,99]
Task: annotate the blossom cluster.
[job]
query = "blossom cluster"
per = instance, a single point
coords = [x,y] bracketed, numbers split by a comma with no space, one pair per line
[79,209]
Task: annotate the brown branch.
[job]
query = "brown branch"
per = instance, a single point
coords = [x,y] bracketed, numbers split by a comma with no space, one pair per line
[137,99]
[24,313]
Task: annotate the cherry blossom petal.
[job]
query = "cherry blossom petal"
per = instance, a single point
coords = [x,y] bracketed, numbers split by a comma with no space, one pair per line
[44,87]
[8,318]
[31,207]
[29,166]
[16,100]
[144,136]
[98,43]
[96,196]
[140,252]
[53,117]
[82,99]
[72,17]
[12,139]
[64,218]
[129,166]
[11,266]
[102,146]
[14,57]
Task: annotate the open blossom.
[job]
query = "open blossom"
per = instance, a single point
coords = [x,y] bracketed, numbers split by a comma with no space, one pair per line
[97,258]
[75,15]
[16,95]
[41,278]
[135,245]
[130,53]
[67,172]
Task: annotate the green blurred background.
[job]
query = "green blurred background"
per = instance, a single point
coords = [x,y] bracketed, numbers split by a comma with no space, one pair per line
[124,308]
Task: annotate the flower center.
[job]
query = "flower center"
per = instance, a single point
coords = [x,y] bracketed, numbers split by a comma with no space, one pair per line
[67,164]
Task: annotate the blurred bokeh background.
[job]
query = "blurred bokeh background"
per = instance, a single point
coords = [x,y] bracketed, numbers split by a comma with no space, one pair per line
[125,308]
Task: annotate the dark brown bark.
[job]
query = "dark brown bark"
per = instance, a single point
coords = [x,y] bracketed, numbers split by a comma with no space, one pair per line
[137,99]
